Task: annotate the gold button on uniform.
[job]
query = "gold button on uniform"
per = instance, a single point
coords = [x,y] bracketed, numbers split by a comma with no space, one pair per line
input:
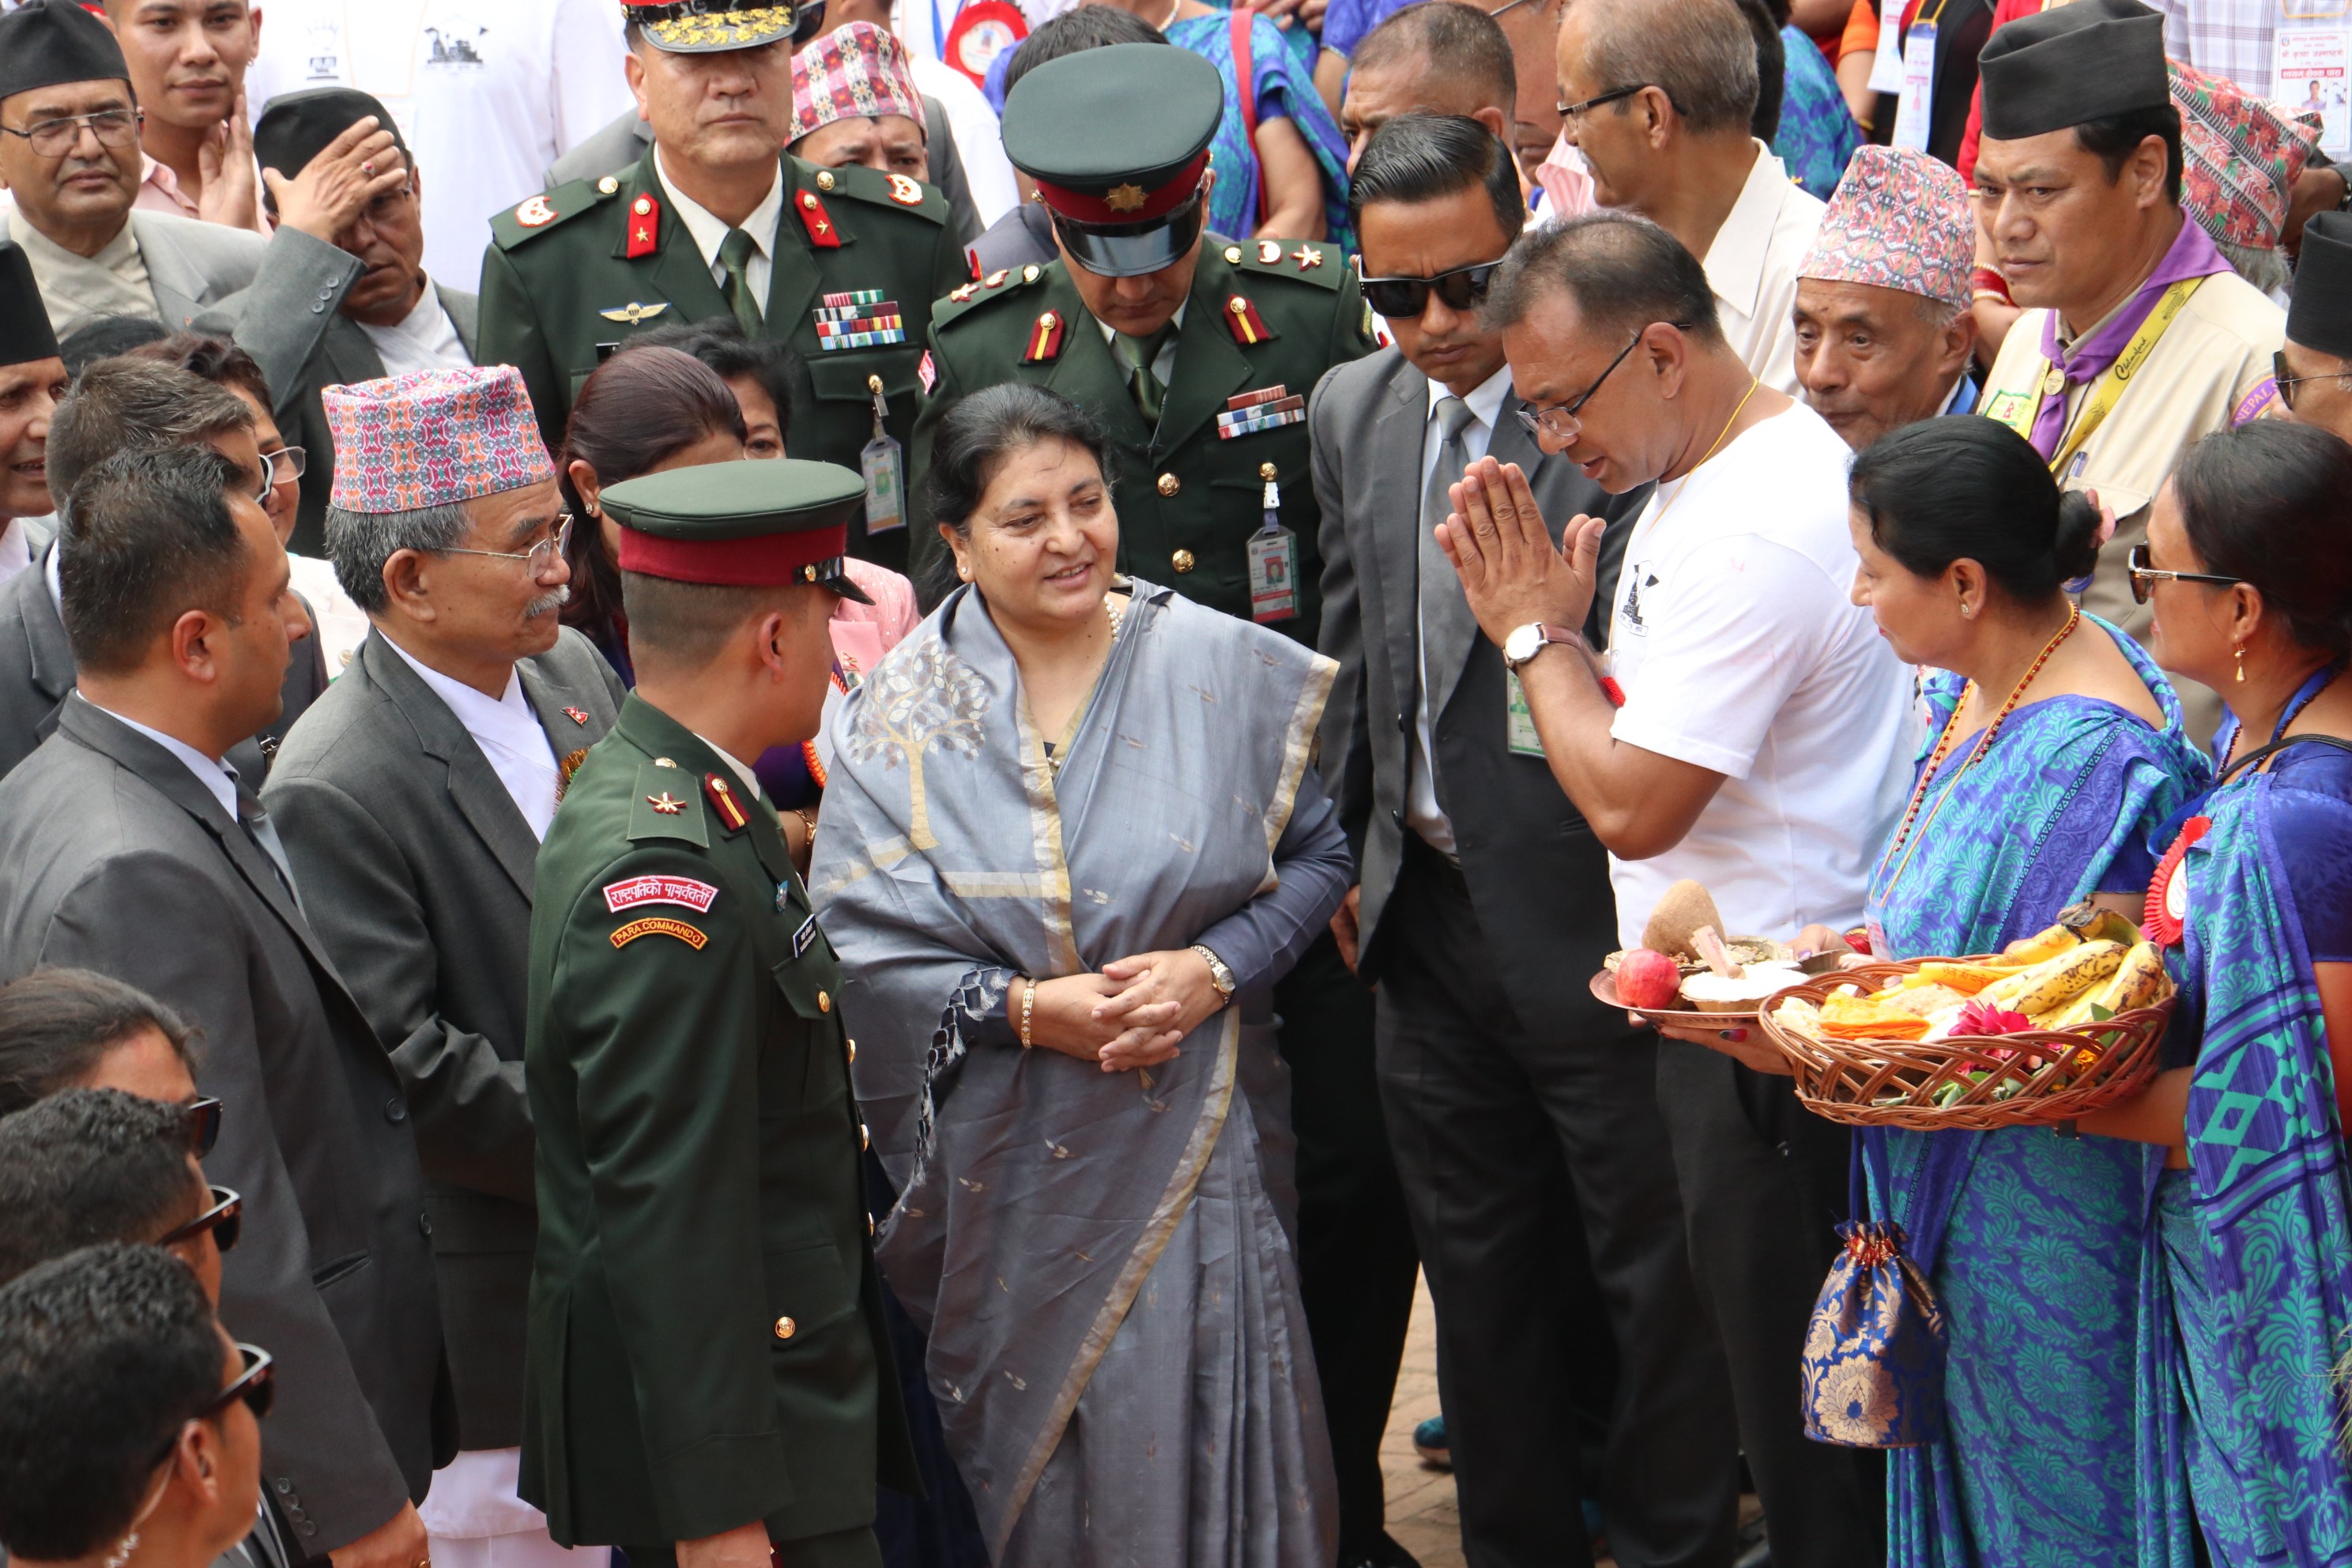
[824,1002]
[1233,253]
[1267,471]
[1181,561]
[786,1328]
[607,185]
[1169,484]
[825,179]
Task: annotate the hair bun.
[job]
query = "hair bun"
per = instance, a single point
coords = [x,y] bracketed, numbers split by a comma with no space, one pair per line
[2074,548]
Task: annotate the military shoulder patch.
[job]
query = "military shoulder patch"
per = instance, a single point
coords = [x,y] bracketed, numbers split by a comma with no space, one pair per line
[667,804]
[864,184]
[535,216]
[660,925]
[1302,259]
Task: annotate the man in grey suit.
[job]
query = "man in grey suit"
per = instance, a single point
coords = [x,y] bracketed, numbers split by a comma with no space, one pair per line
[413,798]
[358,307]
[32,379]
[127,846]
[1522,1113]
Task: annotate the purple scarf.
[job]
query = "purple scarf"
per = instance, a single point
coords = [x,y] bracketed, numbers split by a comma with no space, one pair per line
[2192,255]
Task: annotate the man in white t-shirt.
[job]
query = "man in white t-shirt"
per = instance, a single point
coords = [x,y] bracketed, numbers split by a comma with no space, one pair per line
[488,92]
[1759,749]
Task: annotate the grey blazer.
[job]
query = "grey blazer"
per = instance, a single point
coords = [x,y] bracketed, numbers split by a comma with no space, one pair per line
[1538,879]
[190,265]
[36,670]
[291,321]
[417,869]
[113,856]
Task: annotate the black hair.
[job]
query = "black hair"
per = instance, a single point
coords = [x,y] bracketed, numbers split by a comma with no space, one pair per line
[125,405]
[974,438]
[1771,66]
[148,536]
[2117,136]
[2265,504]
[90,1165]
[1422,157]
[105,1355]
[56,1024]
[103,337]
[217,360]
[1077,29]
[719,343]
[1455,42]
[1623,273]
[1950,490]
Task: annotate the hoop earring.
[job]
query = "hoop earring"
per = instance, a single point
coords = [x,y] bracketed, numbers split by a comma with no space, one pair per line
[2240,651]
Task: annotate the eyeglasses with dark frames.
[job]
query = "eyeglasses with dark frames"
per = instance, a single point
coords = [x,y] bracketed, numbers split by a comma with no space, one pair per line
[116,128]
[225,1219]
[203,1119]
[2144,577]
[1405,298]
[2287,384]
[1560,420]
[256,1385]
[540,558]
[1578,110]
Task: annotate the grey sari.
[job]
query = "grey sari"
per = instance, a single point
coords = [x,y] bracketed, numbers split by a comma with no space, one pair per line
[1102,1260]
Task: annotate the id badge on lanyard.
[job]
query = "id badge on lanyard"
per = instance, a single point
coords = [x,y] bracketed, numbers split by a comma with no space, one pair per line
[1886,66]
[1913,107]
[884,465]
[1273,564]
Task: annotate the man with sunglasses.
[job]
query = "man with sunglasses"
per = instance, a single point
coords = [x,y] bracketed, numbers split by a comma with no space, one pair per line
[1522,1113]
[2314,365]
[716,220]
[129,1418]
[90,1165]
[412,799]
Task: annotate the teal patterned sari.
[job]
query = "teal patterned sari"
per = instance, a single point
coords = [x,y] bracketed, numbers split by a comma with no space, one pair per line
[2032,1241]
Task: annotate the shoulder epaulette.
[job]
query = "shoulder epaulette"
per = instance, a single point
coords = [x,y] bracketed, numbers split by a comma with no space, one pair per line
[668,805]
[1003,283]
[534,215]
[1308,260]
[859,183]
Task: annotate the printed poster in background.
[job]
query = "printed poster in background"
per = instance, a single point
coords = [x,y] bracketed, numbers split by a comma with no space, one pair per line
[2313,75]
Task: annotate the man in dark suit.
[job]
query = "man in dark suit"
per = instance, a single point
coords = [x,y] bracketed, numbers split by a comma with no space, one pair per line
[1521,1110]
[123,406]
[412,799]
[128,846]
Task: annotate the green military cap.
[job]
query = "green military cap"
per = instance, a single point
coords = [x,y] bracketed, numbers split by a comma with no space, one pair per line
[710,27]
[1118,139]
[744,524]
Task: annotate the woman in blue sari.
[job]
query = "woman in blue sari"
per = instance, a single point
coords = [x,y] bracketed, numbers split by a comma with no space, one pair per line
[1298,154]
[2054,749]
[2247,1298]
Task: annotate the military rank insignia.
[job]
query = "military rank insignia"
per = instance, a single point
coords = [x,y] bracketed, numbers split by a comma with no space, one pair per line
[1249,328]
[859,319]
[1267,408]
[907,192]
[644,226]
[724,802]
[535,212]
[817,221]
[1045,340]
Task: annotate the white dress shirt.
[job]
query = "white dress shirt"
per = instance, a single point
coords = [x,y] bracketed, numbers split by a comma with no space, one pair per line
[212,772]
[1485,400]
[425,339]
[1751,266]
[15,549]
[709,230]
[509,735]
[743,769]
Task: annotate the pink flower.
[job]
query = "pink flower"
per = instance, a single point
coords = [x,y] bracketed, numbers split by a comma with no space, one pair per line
[1978,1018]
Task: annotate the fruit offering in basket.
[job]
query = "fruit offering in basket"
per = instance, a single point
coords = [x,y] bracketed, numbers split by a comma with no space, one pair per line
[1686,965]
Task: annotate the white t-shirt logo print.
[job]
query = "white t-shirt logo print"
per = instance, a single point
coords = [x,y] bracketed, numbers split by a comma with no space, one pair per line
[1638,577]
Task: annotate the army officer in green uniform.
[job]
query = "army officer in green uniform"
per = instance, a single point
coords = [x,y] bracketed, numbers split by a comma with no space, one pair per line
[1196,352]
[843,264]
[708,1369]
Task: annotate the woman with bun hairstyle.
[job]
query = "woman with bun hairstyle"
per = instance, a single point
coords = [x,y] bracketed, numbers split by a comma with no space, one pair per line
[2250,1280]
[2052,750]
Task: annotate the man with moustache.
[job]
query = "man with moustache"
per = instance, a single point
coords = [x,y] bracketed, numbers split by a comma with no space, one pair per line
[412,798]
[32,379]
[2314,363]
[1522,1113]
[188,59]
[1884,333]
[1439,57]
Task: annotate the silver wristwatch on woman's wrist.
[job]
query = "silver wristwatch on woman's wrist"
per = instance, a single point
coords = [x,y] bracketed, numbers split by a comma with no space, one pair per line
[1219,976]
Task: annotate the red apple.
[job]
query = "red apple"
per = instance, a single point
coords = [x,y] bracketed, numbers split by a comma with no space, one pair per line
[1647,979]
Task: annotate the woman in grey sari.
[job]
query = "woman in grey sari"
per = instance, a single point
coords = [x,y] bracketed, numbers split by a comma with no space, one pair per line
[1071,839]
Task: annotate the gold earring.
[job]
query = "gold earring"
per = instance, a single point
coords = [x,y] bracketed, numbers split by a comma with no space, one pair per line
[2240,651]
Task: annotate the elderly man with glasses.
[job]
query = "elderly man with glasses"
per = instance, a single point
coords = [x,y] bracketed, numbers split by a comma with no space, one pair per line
[412,799]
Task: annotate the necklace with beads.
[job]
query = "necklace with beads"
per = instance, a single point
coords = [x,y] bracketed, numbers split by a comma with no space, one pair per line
[1903,834]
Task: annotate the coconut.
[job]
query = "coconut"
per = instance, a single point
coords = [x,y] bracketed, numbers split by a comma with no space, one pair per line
[1741,993]
[1684,908]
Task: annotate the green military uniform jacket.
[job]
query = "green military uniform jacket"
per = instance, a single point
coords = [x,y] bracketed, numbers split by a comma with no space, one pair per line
[1188,499]
[561,291]
[706,1346]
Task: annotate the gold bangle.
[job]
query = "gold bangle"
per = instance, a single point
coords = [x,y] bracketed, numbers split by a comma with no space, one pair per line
[807,822]
[1028,1000]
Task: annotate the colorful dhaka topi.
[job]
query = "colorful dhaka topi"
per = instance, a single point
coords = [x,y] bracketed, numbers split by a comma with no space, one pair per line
[858,68]
[1898,219]
[431,438]
[2241,155]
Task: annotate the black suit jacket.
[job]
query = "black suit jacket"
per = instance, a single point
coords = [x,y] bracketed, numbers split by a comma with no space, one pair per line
[417,869]
[113,856]
[1538,879]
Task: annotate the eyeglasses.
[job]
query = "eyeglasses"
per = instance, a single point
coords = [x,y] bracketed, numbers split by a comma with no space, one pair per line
[225,1219]
[1405,298]
[116,128]
[203,1121]
[1560,421]
[285,466]
[2144,577]
[256,1385]
[1578,110]
[540,558]
[2287,384]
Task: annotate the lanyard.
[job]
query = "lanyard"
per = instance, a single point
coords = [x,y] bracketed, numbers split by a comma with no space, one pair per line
[2109,388]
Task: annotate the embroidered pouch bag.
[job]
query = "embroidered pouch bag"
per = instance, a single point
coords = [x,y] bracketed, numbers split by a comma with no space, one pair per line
[1874,1362]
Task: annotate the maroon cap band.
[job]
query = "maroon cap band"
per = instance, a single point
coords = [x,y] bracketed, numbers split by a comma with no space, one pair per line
[1127,203]
[762,560]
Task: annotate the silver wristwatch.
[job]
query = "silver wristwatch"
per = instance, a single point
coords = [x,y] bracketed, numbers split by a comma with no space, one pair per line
[1526,642]
[1219,975]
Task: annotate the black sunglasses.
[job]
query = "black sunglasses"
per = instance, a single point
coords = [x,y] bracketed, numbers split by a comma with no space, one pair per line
[2144,577]
[2287,384]
[203,1125]
[225,1219]
[1405,298]
[256,1385]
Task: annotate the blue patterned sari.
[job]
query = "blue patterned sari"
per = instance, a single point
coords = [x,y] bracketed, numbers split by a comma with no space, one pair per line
[2251,1271]
[1284,87]
[2032,1241]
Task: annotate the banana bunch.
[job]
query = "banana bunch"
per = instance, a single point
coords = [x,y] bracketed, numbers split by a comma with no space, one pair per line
[2077,924]
[2138,981]
[2055,981]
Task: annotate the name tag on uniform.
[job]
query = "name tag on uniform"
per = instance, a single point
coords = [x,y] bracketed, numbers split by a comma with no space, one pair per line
[802,937]
[1274,575]
[1518,722]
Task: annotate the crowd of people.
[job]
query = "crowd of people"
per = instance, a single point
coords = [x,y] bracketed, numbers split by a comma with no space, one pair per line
[832,820]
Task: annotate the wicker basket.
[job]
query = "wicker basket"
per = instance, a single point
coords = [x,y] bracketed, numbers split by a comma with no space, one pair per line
[1895,1083]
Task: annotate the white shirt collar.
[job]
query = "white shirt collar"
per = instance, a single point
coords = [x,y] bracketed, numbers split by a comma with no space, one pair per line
[57,584]
[15,550]
[425,339]
[508,733]
[212,772]
[1735,257]
[709,229]
[1485,399]
[743,769]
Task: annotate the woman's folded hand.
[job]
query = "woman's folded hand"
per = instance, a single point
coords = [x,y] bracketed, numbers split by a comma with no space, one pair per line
[1068,1017]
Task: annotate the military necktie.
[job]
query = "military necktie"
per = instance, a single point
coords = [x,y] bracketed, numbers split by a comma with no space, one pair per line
[1139,354]
[735,253]
[1447,627]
